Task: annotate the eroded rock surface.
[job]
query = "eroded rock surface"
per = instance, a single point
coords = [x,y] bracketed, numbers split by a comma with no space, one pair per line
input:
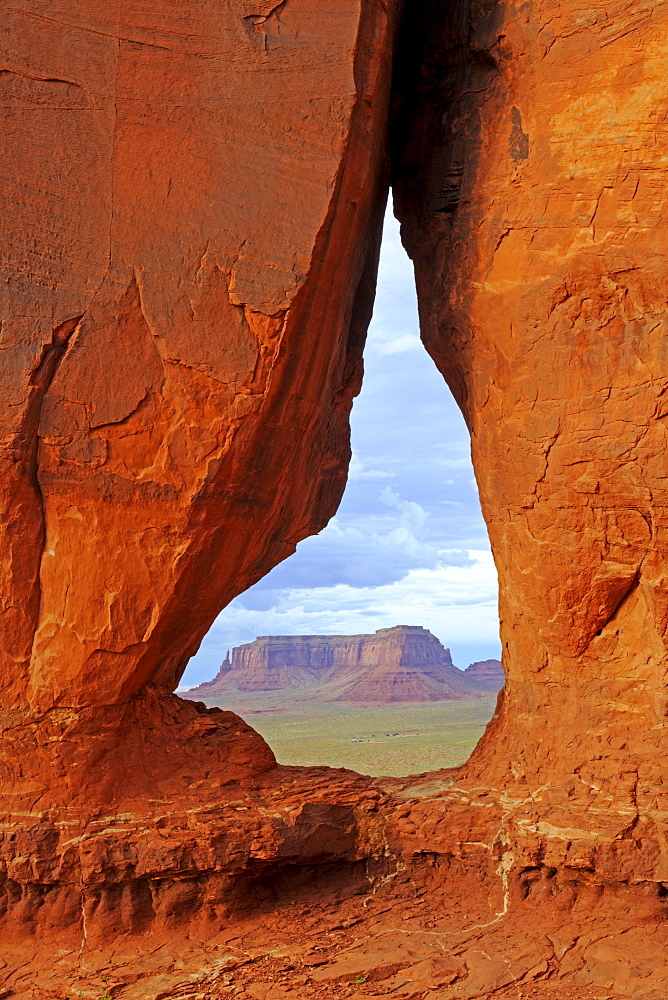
[301,883]
[192,200]
[530,177]
[403,663]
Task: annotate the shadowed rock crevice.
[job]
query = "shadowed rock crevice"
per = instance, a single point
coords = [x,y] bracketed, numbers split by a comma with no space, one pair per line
[448,58]
[23,516]
[562,464]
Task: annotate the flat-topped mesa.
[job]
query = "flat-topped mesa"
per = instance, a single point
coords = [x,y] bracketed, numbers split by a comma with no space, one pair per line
[182,331]
[403,663]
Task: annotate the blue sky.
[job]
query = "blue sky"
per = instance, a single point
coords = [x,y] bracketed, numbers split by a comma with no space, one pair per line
[408,545]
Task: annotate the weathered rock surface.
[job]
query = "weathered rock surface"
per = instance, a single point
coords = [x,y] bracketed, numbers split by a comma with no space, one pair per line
[403,663]
[530,177]
[298,882]
[486,675]
[192,200]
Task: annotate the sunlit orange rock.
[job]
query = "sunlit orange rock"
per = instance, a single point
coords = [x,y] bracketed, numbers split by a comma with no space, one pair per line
[191,208]
[192,201]
[530,178]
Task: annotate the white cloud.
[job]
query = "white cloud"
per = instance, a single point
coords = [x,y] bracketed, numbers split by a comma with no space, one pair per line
[358,471]
[413,516]
[365,548]
[458,604]
[386,342]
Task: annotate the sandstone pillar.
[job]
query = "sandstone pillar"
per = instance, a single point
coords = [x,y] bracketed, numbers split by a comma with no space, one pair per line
[531,171]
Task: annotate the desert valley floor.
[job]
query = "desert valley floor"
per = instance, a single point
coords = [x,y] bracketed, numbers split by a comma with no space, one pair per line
[397,739]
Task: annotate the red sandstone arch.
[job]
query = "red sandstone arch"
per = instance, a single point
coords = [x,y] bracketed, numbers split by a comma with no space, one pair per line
[192,203]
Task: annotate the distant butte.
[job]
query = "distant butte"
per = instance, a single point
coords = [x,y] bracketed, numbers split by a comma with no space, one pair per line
[486,675]
[404,663]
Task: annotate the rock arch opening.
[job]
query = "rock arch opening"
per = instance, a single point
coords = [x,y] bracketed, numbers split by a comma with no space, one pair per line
[192,212]
[407,545]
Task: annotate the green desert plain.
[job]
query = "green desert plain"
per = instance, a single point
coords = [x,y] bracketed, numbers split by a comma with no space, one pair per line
[395,739]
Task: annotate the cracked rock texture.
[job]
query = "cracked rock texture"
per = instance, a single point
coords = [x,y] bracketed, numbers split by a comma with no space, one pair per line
[192,199]
[530,169]
[191,206]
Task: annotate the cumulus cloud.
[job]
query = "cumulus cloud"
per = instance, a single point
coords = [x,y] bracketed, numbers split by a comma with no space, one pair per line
[365,548]
[359,473]
[458,604]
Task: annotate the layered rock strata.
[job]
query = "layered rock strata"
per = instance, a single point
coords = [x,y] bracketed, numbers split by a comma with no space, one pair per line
[289,883]
[403,663]
[486,675]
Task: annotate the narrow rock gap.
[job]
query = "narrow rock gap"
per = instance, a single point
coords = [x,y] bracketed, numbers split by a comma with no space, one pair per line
[407,546]
[27,441]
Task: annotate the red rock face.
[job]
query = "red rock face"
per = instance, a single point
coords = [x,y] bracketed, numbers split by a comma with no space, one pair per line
[530,179]
[403,663]
[192,208]
[191,200]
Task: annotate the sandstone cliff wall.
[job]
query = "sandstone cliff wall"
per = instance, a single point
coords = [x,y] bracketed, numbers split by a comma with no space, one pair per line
[530,177]
[192,201]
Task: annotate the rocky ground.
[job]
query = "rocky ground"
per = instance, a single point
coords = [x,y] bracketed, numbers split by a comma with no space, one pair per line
[454,922]
[362,936]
